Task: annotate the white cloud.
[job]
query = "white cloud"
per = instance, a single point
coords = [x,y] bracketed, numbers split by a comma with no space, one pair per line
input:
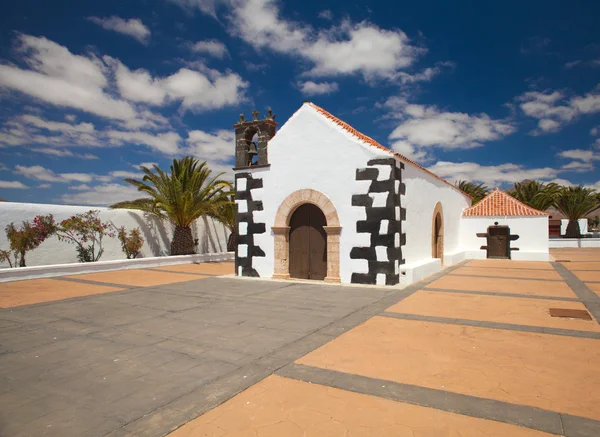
[426,75]
[44,185]
[583,159]
[211,47]
[216,149]
[82,187]
[60,153]
[167,143]
[555,109]
[349,48]
[145,164]
[122,174]
[34,130]
[63,79]
[13,184]
[595,130]
[423,127]
[197,90]
[580,154]
[101,195]
[132,27]
[572,63]
[326,15]
[578,166]
[39,173]
[311,88]
[491,175]
[208,7]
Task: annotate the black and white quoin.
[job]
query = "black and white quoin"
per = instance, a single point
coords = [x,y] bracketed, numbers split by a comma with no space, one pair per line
[245,227]
[384,222]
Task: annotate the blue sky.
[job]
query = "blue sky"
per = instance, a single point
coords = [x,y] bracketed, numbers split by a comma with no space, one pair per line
[487,91]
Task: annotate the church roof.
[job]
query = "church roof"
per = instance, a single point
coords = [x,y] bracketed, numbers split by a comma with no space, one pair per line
[370,141]
[501,204]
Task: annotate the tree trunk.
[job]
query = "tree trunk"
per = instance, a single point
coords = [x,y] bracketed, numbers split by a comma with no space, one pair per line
[231,242]
[573,230]
[183,242]
[22,260]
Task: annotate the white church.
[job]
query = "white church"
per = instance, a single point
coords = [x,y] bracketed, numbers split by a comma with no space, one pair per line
[319,200]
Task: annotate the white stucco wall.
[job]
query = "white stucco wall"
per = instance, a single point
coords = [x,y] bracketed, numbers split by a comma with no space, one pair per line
[309,151]
[532,232]
[212,235]
[423,192]
[583,226]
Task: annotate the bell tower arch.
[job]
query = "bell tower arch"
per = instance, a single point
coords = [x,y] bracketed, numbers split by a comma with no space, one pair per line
[249,153]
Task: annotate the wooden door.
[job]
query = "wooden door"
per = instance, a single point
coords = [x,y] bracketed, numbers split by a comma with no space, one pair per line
[498,242]
[308,243]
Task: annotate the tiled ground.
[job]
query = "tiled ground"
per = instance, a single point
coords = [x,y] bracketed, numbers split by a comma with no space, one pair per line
[472,353]
[469,352]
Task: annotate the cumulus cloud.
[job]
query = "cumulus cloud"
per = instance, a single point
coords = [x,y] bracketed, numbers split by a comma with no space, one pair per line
[39,173]
[310,88]
[423,127]
[13,185]
[583,160]
[197,90]
[211,47]
[326,14]
[34,130]
[58,77]
[132,27]
[555,109]
[216,149]
[491,175]
[348,48]
[101,195]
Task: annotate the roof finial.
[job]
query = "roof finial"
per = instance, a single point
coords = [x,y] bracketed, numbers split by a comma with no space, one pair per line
[255,114]
[242,118]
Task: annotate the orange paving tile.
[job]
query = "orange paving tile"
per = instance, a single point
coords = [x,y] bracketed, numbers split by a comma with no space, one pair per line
[137,278]
[281,407]
[594,287]
[509,264]
[517,286]
[553,372]
[588,276]
[500,309]
[509,273]
[32,291]
[206,268]
[576,254]
[579,265]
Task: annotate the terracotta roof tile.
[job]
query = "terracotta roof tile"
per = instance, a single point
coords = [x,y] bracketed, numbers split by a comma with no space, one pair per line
[500,204]
[370,141]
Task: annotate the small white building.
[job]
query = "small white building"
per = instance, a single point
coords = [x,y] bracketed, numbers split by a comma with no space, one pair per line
[500,226]
[322,201]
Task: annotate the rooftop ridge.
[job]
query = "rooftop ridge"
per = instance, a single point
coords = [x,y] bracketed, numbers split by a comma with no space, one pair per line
[370,141]
[499,203]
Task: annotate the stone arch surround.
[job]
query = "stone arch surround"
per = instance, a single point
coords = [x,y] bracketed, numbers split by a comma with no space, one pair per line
[281,231]
[440,246]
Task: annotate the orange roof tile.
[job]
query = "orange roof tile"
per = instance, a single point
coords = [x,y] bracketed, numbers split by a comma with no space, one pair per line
[370,141]
[500,204]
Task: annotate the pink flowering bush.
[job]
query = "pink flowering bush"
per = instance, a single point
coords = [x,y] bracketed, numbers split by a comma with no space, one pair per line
[86,231]
[26,238]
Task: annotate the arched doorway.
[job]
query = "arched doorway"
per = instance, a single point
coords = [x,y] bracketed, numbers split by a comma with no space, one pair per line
[282,226]
[437,233]
[308,243]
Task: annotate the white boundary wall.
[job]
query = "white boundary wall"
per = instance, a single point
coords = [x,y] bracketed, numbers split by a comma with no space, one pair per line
[532,232]
[557,243]
[583,226]
[212,235]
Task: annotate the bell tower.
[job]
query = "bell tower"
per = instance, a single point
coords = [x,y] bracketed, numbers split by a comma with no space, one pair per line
[249,154]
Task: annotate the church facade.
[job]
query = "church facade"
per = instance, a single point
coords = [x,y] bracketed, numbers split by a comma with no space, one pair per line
[319,200]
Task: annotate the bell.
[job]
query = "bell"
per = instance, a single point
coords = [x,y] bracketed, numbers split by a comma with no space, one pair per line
[252,149]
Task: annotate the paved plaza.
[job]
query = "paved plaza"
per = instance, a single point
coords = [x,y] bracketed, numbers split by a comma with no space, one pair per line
[185,352]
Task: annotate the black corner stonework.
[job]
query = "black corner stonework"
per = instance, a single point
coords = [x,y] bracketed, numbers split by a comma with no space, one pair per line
[384,217]
[244,216]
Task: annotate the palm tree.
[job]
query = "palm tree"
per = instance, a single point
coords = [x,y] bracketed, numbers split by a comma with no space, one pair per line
[576,203]
[535,194]
[181,197]
[226,215]
[476,191]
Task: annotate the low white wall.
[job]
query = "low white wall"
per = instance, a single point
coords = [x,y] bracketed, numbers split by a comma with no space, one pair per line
[532,232]
[157,234]
[556,243]
[583,226]
[49,271]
